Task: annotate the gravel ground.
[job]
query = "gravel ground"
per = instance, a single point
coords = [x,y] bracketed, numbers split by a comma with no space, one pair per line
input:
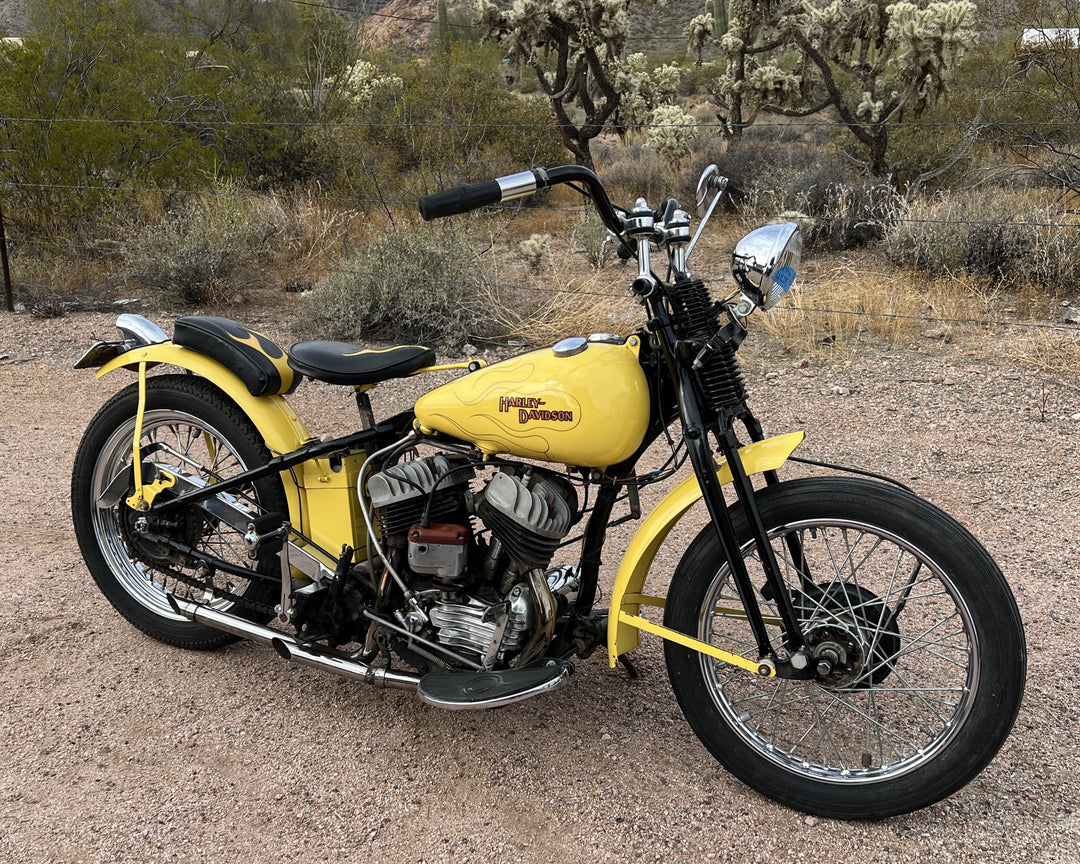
[116,748]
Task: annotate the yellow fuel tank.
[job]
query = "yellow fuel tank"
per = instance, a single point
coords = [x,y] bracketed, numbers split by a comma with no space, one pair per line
[579,402]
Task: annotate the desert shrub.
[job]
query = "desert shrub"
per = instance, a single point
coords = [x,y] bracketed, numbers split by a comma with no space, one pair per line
[454,120]
[632,170]
[199,257]
[767,167]
[843,213]
[421,283]
[590,237]
[1006,237]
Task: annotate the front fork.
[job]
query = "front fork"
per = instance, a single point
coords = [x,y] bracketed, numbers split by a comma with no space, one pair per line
[794,662]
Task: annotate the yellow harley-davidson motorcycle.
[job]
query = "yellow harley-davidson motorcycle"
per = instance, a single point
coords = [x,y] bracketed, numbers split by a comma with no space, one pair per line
[836,642]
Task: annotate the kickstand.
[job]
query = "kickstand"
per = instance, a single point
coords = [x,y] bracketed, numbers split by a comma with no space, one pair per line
[630,666]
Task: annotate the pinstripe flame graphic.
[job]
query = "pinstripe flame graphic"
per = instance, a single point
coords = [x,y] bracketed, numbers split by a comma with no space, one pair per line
[589,409]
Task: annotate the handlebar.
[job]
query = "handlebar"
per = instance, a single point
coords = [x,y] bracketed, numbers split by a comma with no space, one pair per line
[462,199]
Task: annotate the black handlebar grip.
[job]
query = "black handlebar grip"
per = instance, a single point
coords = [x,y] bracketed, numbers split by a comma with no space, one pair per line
[460,199]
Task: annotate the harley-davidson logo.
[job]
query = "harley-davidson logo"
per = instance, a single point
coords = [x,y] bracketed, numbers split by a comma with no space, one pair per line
[531,408]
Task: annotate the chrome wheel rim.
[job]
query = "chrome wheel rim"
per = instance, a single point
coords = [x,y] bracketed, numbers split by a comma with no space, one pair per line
[188,445]
[908,640]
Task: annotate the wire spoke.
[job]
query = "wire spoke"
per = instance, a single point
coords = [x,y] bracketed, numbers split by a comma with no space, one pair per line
[891,616]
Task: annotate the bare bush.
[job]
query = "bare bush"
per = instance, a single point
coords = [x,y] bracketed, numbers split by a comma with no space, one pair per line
[1005,237]
[632,170]
[844,214]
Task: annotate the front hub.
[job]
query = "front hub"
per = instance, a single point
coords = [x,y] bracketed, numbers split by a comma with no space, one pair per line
[851,635]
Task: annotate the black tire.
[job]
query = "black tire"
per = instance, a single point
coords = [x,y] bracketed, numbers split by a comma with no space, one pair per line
[932,641]
[202,433]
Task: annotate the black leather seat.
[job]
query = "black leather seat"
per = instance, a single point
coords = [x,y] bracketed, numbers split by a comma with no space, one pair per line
[255,359]
[345,363]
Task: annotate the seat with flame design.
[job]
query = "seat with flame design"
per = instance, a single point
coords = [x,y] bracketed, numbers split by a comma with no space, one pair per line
[255,359]
[345,363]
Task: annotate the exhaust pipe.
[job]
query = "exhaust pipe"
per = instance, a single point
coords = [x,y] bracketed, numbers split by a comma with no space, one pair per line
[290,649]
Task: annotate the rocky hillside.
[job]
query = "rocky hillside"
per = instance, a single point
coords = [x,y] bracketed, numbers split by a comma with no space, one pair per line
[13,17]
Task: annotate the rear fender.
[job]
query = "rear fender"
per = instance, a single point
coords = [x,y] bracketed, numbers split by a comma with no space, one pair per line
[322,498]
[624,619]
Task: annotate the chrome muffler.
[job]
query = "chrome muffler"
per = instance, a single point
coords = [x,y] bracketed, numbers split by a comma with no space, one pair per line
[286,646]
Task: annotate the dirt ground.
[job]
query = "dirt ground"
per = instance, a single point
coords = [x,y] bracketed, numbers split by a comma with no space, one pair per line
[116,748]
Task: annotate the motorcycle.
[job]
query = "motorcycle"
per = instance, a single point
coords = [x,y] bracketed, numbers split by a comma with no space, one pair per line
[837,643]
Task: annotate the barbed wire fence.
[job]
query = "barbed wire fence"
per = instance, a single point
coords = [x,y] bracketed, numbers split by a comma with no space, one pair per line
[20,241]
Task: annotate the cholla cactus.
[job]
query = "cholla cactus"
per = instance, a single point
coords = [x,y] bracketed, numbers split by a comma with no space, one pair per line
[575,47]
[866,60]
[930,42]
[672,133]
[699,32]
[362,81]
[666,80]
[533,249]
[642,91]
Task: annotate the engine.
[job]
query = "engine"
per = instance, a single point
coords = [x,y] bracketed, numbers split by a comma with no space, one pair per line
[475,556]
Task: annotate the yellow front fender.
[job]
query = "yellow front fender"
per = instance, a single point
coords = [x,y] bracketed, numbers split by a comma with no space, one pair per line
[624,620]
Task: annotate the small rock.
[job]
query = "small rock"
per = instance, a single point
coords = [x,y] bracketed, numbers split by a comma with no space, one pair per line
[1072,315]
[606,736]
[1076,417]
[837,390]
[470,350]
[936,333]
[811,821]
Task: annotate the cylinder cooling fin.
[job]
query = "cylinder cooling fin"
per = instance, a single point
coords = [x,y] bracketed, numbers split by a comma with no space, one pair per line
[530,516]
[402,493]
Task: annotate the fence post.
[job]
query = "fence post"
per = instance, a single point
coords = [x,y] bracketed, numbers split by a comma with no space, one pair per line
[9,296]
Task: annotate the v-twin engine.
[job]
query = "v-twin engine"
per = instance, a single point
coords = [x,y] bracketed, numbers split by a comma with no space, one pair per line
[476,557]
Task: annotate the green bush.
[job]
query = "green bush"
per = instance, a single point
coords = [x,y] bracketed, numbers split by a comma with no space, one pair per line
[591,238]
[201,257]
[421,283]
[454,120]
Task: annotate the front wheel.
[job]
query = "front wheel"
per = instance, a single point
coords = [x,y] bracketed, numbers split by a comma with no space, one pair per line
[920,645]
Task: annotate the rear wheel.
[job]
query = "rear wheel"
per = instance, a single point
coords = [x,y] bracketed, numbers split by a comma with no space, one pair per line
[189,428]
[917,642]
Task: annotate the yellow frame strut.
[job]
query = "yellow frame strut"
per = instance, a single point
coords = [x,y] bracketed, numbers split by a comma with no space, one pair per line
[688,641]
[144,496]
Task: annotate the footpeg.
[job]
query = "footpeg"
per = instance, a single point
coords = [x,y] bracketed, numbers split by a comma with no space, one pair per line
[457,691]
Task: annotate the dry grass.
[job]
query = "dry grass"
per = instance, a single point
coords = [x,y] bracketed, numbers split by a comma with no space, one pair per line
[1052,350]
[841,300]
[561,294]
[837,302]
[559,307]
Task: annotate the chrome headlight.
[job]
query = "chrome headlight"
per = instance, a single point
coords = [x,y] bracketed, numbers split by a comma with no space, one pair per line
[765,262]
